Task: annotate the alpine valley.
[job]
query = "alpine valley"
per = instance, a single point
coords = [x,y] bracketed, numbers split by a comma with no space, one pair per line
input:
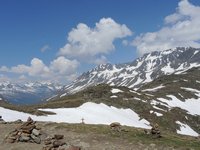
[27,93]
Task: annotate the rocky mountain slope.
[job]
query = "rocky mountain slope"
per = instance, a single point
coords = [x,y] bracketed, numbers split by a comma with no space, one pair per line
[139,72]
[27,93]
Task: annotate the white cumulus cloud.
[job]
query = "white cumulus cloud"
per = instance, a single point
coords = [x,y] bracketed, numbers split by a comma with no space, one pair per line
[60,69]
[181,28]
[63,66]
[85,43]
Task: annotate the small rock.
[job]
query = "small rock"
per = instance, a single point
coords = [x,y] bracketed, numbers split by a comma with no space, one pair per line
[58,143]
[10,140]
[115,124]
[47,148]
[29,127]
[18,121]
[3,122]
[13,137]
[58,137]
[47,142]
[24,138]
[36,139]
[152,145]
[74,148]
[29,119]
[36,132]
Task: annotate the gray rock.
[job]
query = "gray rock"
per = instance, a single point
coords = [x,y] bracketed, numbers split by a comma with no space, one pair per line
[58,136]
[36,139]
[58,143]
[36,132]
[74,148]
[10,140]
[24,138]
[18,121]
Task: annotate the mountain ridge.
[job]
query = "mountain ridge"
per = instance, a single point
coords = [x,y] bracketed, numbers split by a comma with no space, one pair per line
[140,71]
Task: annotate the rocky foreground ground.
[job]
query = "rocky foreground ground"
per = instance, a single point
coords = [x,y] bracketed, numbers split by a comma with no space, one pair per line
[86,137]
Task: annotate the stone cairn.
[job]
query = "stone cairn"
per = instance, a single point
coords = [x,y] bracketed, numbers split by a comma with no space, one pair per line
[155,132]
[116,126]
[27,132]
[57,143]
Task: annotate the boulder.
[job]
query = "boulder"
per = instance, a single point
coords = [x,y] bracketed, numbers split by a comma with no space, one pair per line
[115,124]
[58,136]
[58,143]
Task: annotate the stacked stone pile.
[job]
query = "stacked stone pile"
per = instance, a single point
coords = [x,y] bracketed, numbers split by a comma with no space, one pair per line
[116,126]
[27,132]
[57,143]
[156,131]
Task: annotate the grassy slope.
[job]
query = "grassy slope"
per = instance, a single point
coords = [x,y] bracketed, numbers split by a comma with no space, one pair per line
[101,136]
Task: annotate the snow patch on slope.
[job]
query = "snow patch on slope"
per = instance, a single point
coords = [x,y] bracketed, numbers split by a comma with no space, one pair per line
[116,91]
[63,95]
[189,105]
[153,89]
[168,69]
[113,96]
[91,112]
[186,130]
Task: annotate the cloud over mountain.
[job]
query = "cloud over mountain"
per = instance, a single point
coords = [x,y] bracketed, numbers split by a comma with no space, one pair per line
[180,29]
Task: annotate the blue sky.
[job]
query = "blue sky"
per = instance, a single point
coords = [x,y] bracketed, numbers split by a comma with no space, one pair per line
[53,39]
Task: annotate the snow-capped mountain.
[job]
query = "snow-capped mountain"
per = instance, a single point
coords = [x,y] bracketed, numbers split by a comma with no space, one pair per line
[27,93]
[141,71]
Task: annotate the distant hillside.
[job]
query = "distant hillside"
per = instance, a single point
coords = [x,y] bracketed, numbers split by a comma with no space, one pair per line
[28,93]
